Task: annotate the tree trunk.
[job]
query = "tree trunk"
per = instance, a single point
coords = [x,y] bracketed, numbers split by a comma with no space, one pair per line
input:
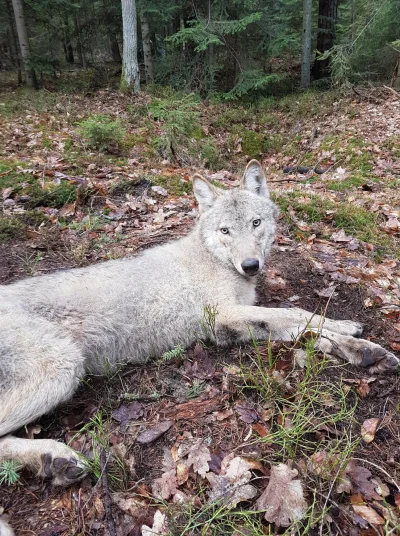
[81,53]
[327,18]
[306,52]
[148,59]
[130,68]
[116,55]
[30,77]
[70,54]
[13,41]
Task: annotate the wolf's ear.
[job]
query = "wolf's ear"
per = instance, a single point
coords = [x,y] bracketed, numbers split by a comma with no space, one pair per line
[204,192]
[254,179]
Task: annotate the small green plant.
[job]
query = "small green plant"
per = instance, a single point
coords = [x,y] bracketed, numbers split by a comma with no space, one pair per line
[179,118]
[9,472]
[210,313]
[176,353]
[11,228]
[30,262]
[102,132]
[51,195]
[196,388]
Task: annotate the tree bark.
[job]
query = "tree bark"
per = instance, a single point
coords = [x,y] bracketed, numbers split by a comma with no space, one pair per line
[13,41]
[30,76]
[115,53]
[306,52]
[79,47]
[148,58]
[130,67]
[327,19]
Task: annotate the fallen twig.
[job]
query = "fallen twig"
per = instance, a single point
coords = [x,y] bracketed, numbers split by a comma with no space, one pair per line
[6,172]
[392,90]
[106,494]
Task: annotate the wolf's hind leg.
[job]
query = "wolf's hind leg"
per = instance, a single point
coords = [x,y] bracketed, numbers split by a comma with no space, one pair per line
[46,457]
[40,367]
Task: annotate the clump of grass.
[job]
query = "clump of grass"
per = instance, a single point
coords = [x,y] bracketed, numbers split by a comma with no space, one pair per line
[102,132]
[98,430]
[9,472]
[51,195]
[298,417]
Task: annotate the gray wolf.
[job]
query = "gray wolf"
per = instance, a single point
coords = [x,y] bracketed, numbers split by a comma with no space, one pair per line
[56,328]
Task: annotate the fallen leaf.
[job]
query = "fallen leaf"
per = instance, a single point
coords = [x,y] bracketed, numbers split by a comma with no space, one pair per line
[128,504]
[245,410]
[199,456]
[126,413]
[327,292]
[340,236]
[368,429]
[232,486]
[154,432]
[165,486]
[159,528]
[283,499]
[368,513]
[360,481]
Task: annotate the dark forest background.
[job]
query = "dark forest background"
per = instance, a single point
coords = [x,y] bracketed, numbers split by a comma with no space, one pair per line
[234,49]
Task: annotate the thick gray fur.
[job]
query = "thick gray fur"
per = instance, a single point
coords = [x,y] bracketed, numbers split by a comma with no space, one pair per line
[56,328]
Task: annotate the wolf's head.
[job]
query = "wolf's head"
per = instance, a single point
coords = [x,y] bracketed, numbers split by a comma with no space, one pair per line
[238,226]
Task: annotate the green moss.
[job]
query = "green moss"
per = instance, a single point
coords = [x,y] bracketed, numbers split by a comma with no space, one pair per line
[356,221]
[32,218]
[13,179]
[350,183]
[172,183]
[130,141]
[197,133]
[11,228]
[253,144]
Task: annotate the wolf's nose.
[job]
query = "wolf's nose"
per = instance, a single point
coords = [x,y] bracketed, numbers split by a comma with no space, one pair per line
[250,266]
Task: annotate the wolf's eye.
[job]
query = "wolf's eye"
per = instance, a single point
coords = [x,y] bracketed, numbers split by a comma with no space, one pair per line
[256,223]
[224,230]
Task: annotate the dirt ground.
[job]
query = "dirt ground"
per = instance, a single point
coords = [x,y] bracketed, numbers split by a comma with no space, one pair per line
[35,508]
[330,425]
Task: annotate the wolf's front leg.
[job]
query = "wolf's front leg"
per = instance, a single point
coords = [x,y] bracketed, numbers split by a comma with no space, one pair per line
[337,337]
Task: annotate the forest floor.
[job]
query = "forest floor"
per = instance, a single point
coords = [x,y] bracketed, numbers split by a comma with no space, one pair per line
[206,441]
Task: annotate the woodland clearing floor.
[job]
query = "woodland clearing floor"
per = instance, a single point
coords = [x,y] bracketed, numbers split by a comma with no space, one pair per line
[336,249]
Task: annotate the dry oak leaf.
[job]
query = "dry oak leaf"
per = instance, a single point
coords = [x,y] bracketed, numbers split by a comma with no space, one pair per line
[368,429]
[360,481]
[128,504]
[283,499]
[231,486]
[166,486]
[199,456]
[160,526]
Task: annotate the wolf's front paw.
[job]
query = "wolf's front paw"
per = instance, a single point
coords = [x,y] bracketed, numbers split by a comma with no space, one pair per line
[63,471]
[377,359]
